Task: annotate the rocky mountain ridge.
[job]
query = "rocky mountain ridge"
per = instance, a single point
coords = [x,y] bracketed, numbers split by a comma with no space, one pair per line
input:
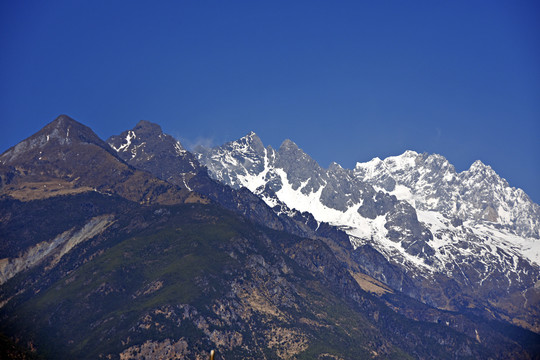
[147,148]
[66,157]
[470,228]
[431,184]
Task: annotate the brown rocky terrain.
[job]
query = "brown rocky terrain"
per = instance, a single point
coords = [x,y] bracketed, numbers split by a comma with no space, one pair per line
[66,157]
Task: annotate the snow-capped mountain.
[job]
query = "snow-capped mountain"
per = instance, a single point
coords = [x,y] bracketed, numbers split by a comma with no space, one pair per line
[147,147]
[430,183]
[466,237]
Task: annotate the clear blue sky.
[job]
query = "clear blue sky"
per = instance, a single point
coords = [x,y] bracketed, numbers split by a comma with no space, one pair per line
[346,80]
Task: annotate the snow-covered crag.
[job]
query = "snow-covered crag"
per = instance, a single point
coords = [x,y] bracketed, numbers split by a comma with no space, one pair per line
[468,239]
[430,183]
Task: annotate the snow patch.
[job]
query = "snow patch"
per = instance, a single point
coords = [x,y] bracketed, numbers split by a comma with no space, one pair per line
[125,145]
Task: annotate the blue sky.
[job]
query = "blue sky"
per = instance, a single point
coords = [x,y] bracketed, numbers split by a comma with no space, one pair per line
[345,80]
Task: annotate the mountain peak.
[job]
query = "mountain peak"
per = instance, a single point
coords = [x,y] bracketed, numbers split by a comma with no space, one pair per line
[248,143]
[65,125]
[479,166]
[288,145]
[147,134]
[148,148]
[335,168]
[63,118]
[482,171]
[251,137]
[375,161]
[62,131]
[410,153]
[147,127]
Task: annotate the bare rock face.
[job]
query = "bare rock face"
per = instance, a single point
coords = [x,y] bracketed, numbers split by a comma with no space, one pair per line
[52,251]
[166,349]
[377,205]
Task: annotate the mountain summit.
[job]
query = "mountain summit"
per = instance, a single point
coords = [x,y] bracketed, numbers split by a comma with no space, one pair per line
[148,148]
[63,131]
